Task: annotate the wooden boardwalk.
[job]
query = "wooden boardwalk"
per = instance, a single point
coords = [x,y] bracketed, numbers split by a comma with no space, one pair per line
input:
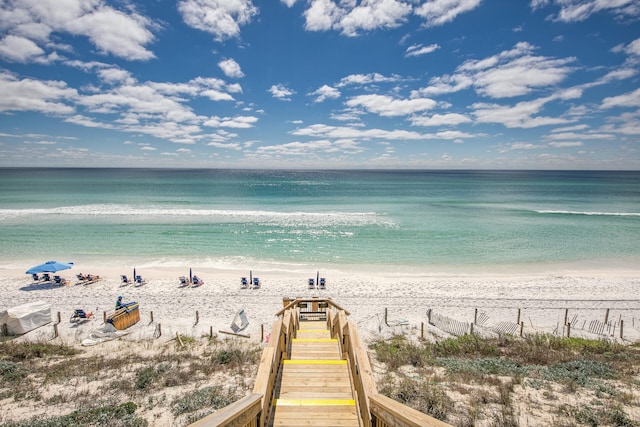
[314,386]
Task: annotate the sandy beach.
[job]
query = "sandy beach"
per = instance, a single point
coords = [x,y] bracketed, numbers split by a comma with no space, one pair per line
[541,300]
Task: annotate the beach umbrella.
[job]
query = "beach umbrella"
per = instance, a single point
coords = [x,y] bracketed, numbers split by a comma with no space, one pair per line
[190,276]
[318,278]
[50,267]
[250,277]
[134,273]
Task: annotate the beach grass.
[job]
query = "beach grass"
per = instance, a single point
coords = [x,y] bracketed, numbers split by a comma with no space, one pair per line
[503,379]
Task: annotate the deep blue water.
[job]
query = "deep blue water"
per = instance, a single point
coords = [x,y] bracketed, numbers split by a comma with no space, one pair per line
[316,218]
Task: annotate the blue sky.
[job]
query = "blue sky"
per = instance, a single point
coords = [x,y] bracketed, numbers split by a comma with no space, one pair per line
[502,84]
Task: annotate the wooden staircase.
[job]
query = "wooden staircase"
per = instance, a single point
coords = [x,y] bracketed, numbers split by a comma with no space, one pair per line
[314,386]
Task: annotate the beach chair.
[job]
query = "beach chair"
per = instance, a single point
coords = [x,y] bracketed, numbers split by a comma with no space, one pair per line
[60,280]
[322,284]
[311,284]
[46,277]
[184,282]
[35,277]
[79,315]
[90,278]
[244,283]
[125,280]
[140,281]
[256,283]
[197,282]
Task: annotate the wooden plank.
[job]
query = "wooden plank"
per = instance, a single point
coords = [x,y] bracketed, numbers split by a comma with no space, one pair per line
[314,402]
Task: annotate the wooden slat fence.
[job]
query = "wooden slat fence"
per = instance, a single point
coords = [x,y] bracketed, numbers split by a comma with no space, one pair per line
[454,327]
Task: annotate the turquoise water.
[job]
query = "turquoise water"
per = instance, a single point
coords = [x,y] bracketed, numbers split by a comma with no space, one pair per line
[314,218]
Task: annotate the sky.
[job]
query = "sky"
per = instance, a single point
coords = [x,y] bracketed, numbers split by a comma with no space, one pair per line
[323,84]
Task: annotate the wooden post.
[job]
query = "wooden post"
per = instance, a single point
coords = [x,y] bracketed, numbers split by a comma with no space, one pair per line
[422,330]
[429,315]
[55,330]
[59,320]
[385,316]
[521,328]
[151,314]
[518,321]
[104,317]
[606,316]
[568,330]
[197,317]
[158,330]
[566,315]
[621,327]
[475,316]
[471,329]
[261,332]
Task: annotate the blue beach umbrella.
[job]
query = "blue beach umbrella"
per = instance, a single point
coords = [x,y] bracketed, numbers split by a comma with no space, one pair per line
[190,276]
[50,267]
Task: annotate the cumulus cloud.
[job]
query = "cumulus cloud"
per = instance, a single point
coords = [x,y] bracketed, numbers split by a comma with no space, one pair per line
[19,49]
[281,92]
[325,92]
[231,68]
[122,33]
[44,96]
[367,79]
[222,18]
[579,10]
[387,106]
[351,18]
[514,72]
[439,12]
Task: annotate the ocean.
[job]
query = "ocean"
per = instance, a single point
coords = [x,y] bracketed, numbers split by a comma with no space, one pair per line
[306,219]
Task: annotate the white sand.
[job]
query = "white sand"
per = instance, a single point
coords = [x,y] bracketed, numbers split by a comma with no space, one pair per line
[542,298]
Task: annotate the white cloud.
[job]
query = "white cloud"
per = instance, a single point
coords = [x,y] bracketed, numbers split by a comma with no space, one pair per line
[452,119]
[350,18]
[19,49]
[566,144]
[516,72]
[288,3]
[388,106]
[222,18]
[239,122]
[325,92]
[46,96]
[231,68]
[439,12]
[281,92]
[418,50]
[366,79]
[631,99]
[520,115]
[36,20]
[579,10]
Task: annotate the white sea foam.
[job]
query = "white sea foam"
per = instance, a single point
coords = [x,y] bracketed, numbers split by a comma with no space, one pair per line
[216,215]
[558,212]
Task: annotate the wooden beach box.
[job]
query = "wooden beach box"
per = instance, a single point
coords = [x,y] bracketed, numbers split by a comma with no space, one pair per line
[125,317]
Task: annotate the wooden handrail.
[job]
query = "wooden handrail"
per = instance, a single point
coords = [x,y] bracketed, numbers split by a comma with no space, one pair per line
[388,412]
[244,412]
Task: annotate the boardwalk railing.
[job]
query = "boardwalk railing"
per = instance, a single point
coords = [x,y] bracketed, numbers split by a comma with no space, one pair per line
[374,409]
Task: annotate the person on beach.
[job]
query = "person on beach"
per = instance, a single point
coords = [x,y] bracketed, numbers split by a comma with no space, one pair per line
[119,303]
